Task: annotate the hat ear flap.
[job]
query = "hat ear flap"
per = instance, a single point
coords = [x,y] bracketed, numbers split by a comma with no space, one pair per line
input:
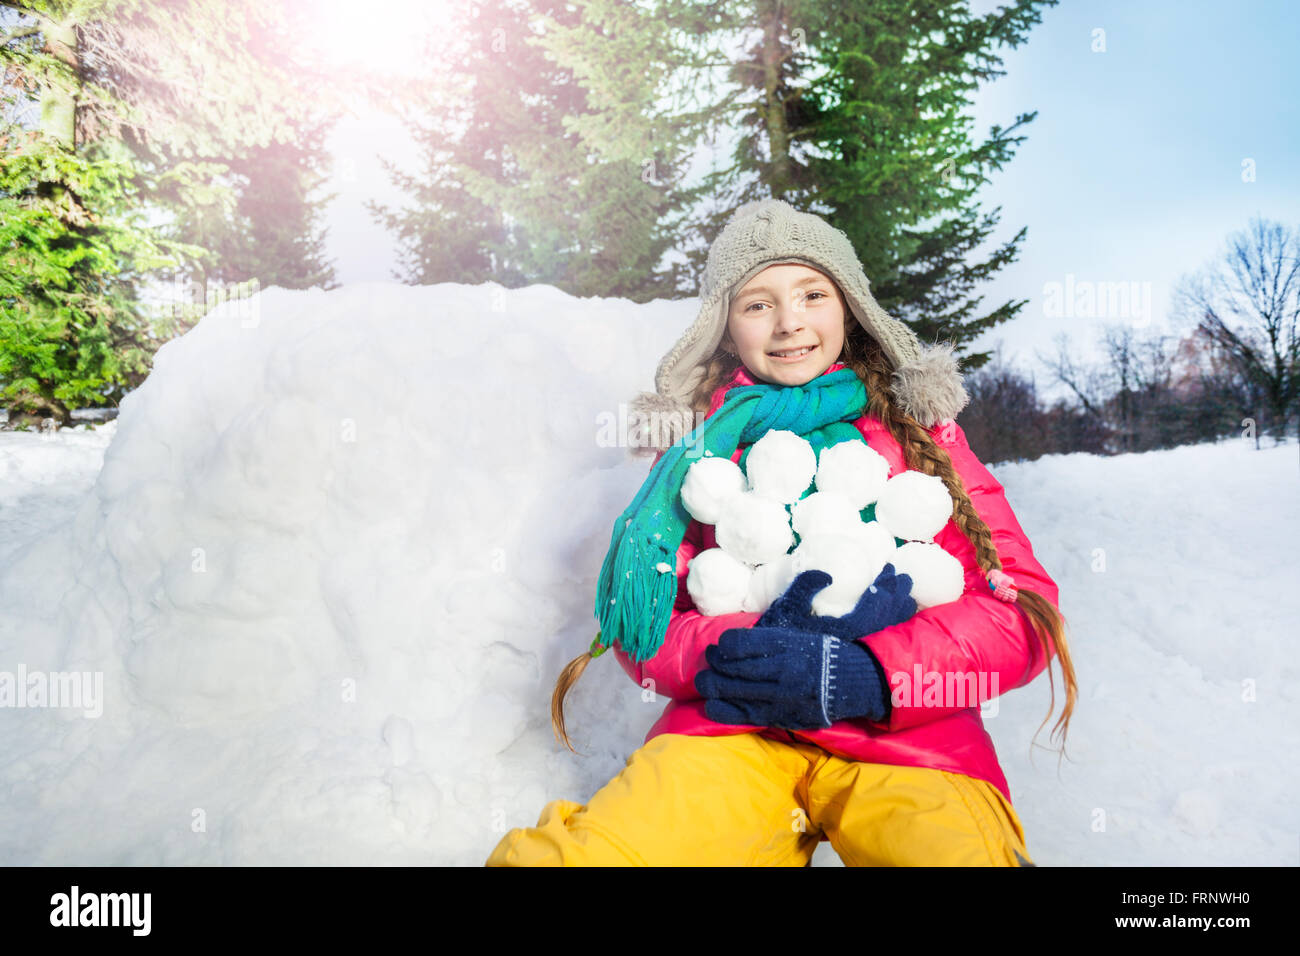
[930,388]
[656,423]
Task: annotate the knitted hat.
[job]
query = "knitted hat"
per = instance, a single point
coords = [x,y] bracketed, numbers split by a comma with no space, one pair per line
[926,383]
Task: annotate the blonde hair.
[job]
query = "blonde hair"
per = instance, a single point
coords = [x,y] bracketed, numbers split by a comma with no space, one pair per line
[867,358]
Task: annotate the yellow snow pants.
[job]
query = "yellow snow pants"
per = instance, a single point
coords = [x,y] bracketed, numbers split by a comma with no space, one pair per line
[748,800]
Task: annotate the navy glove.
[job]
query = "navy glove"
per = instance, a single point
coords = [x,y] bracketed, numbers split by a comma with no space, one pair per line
[887,601]
[783,677]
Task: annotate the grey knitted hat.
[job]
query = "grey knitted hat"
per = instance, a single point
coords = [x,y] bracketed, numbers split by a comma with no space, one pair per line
[926,383]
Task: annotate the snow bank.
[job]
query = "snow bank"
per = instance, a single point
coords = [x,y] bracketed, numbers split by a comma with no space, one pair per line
[342,543]
[339,548]
[1178,582]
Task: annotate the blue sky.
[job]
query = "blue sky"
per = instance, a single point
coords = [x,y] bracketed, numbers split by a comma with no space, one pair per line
[1131,173]
[1133,168]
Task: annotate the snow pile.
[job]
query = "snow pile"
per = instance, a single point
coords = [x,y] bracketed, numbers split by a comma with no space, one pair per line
[342,543]
[339,548]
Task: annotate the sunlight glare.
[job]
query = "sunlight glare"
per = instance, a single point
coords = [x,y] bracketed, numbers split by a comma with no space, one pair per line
[381,36]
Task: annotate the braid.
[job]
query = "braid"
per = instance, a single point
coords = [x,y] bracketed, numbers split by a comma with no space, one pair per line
[865,356]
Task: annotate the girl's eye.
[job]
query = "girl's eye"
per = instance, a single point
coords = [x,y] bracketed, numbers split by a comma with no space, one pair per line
[808,296]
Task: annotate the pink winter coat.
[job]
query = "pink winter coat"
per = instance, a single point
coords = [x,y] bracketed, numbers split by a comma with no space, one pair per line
[976,633]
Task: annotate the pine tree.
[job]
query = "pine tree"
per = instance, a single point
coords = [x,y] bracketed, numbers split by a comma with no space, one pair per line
[854,111]
[232,128]
[272,233]
[133,110]
[525,179]
[73,246]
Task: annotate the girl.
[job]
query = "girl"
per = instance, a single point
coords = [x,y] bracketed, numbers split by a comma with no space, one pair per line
[784,729]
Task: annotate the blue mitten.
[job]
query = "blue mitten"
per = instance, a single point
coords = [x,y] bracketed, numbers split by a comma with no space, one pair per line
[887,601]
[783,677]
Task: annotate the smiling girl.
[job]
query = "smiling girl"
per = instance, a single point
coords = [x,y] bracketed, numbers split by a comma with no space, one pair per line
[789,337]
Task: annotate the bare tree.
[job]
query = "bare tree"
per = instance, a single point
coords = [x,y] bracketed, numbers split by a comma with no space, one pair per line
[1130,394]
[1004,420]
[1142,371]
[1082,380]
[1248,304]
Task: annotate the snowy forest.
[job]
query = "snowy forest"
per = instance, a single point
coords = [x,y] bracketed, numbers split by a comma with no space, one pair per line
[320,545]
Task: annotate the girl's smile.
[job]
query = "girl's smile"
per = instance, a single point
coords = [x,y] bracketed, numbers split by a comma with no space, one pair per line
[794,355]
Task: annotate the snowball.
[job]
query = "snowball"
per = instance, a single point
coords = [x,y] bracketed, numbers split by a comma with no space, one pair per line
[937,577]
[877,544]
[753,529]
[708,484]
[853,470]
[840,556]
[780,466]
[768,582]
[914,506]
[825,513]
[717,582]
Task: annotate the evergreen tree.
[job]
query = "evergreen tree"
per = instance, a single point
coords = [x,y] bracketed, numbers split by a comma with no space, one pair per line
[130,121]
[271,232]
[855,112]
[233,129]
[73,246]
[525,179]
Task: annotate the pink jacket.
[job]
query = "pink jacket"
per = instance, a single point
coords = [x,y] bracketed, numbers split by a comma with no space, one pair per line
[978,634]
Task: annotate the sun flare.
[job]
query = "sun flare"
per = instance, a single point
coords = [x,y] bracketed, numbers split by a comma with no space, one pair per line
[381,36]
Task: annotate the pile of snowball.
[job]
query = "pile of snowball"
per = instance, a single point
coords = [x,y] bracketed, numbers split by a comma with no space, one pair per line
[757,513]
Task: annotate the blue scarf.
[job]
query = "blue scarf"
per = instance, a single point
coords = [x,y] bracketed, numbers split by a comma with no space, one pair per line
[638,580]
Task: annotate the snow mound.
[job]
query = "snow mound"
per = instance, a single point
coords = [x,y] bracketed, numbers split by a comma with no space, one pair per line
[335,557]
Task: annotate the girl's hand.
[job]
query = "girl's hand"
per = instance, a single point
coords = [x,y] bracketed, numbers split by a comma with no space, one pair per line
[886,602]
[784,677]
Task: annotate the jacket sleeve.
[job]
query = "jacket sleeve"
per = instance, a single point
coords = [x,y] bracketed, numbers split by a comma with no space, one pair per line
[978,640]
[681,656]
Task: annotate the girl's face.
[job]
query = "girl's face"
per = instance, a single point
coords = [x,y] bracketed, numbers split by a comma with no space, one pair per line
[784,309]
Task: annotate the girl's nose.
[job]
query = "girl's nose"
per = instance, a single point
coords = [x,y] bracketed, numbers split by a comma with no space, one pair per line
[788,318]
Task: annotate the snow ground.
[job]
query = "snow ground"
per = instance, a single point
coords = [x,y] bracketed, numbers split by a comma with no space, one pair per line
[333,553]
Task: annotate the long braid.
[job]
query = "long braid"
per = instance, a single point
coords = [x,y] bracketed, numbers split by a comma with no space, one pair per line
[865,356]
